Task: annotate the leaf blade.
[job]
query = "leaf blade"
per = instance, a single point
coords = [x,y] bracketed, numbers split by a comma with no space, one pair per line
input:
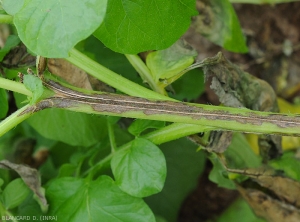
[51,28]
[127,28]
[140,170]
[99,200]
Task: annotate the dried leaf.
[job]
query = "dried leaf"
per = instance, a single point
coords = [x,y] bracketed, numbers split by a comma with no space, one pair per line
[30,177]
[236,88]
[18,57]
[75,76]
[219,141]
[69,72]
[267,207]
[285,188]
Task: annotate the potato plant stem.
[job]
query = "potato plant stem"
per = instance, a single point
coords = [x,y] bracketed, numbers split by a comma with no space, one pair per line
[8,19]
[111,78]
[14,86]
[14,119]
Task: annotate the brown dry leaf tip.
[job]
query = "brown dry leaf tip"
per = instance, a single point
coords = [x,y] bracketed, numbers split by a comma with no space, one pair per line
[29,71]
[30,177]
[21,76]
[69,72]
[218,141]
[41,65]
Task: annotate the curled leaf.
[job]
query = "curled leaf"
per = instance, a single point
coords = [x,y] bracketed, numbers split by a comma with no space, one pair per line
[236,88]
[166,64]
[35,85]
[30,177]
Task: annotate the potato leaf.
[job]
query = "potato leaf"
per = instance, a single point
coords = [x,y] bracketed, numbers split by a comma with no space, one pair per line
[99,200]
[51,28]
[131,27]
[141,169]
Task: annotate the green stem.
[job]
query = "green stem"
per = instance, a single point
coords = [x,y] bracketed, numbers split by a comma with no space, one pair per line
[111,136]
[8,19]
[111,78]
[14,119]
[174,131]
[163,135]
[219,118]
[14,86]
[144,72]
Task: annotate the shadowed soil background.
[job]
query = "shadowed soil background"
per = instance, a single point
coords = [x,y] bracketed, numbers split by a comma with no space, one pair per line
[273,34]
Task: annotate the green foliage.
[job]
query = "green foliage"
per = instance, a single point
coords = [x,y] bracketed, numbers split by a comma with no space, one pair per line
[35,85]
[54,124]
[140,170]
[4,103]
[52,28]
[166,64]
[14,194]
[74,199]
[289,164]
[131,27]
[10,43]
[182,178]
[12,6]
[138,126]
[100,168]
[223,27]
[239,156]
[239,209]
[189,86]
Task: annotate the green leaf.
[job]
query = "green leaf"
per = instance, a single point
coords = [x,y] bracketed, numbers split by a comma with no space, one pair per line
[11,42]
[77,129]
[167,63]
[141,169]
[139,125]
[73,199]
[51,28]
[3,103]
[217,174]
[184,165]
[67,170]
[15,193]
[35,85]
[239,209]
[12,6]
[131,27]
[66,126]
[189,86]
[239,155]
[219,24]
[289,164]
[114,61]
[31,208]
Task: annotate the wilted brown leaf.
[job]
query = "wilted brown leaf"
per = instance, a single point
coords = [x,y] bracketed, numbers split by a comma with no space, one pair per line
[269,208]
[236,88]
[69,72]
[286,189]
[75,76]
[30,177]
